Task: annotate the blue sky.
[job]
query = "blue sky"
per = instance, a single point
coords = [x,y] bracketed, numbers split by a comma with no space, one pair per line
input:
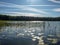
[40,8]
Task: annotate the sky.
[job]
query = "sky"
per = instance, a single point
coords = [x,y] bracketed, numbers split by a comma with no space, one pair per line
[37,8]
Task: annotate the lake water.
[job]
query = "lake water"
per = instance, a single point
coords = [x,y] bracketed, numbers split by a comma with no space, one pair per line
[30,33]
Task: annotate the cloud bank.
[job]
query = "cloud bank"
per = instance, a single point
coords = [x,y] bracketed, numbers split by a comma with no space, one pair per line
[23,14]
[55,1]
[22,7]
[56,9]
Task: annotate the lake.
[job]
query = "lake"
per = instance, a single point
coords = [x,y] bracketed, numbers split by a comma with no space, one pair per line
[29,32]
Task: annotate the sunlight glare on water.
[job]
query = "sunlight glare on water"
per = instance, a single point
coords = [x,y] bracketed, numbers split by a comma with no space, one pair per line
[37,32]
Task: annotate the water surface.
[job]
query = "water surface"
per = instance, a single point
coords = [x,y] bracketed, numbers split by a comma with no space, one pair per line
[30,33]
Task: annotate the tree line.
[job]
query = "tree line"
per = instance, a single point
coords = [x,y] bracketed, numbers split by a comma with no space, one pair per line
[28,18]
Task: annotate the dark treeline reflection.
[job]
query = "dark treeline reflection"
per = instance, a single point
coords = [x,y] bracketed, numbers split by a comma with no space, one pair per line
[29,32]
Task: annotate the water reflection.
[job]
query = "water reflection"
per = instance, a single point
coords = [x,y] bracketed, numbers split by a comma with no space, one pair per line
[30,33]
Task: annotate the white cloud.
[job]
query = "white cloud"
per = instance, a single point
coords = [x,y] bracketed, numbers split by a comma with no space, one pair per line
[39,5]
[55,1]
[23,14]
[22,7]
[56,10]
[14,5]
